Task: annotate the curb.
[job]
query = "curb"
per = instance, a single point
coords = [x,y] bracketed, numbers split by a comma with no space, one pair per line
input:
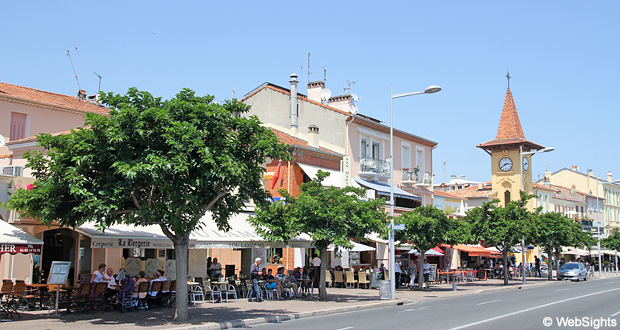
[285,317]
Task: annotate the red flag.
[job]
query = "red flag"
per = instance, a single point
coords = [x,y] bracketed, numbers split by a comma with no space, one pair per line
[276,176]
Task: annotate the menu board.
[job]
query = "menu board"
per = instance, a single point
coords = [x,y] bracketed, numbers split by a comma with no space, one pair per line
[59,271]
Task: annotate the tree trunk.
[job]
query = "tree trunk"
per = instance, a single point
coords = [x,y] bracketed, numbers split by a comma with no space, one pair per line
[421,271]
[557,262]
[549,263]
[506,268]
[322,286]
[181,245]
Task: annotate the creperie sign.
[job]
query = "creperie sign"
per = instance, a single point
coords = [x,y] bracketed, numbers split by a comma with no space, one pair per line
[131,243]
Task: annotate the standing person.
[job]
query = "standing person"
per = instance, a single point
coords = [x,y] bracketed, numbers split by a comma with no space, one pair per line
[537,265]
[216,268]
[382,269]
[316,261]
[413,272]
[397,272]
[427,274]
[209,274]
[254,275]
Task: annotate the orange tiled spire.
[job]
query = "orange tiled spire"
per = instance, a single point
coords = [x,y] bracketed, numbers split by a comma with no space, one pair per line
[509,124]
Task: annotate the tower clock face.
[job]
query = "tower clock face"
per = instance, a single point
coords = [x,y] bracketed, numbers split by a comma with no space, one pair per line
[526,164]
[505,164]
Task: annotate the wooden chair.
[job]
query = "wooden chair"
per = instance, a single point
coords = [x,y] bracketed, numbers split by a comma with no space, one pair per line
[338,278]
[328,279]
[351,279]
[166,294]
[143,287]
[362,280]
[154,295]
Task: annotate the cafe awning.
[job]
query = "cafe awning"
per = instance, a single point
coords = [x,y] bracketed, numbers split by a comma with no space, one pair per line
[430,253]
[240,235]
[384,189]
[357,247]
[334,179]
[14,240]
[474,251]
[121,236]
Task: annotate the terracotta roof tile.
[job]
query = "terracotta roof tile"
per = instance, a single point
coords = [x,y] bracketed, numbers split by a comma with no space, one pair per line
[447,194]
[20,93]
[294,141]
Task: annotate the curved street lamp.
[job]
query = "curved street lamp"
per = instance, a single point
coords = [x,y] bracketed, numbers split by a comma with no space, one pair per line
[429,90]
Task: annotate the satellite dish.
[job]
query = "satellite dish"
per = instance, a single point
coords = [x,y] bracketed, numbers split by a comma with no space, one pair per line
[326,94]
[2,141]
[353,109]
[355,97]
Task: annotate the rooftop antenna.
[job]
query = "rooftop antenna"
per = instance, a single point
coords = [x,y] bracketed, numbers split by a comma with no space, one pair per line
[307,67]
[324,76]
[70,60]
[99,80]
[234,91]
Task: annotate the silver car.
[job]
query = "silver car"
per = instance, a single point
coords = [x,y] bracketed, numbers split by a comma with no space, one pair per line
[573,271]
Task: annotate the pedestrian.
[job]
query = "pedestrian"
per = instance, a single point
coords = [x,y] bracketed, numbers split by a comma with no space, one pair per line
[427,274]
[209,273]
[537,265]
[254,275]
[397,272]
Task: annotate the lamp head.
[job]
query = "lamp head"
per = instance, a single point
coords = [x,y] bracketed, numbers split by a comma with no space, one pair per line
[548,149]
[432,89]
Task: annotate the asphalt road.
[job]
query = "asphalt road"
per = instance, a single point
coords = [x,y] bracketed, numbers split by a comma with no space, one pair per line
[594,304]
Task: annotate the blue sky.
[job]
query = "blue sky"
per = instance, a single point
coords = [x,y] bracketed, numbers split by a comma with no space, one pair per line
[562,56]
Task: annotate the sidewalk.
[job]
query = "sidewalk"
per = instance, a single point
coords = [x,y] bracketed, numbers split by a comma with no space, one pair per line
[242,312]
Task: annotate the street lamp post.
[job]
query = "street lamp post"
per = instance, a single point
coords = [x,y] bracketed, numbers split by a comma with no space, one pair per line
[392,274]
[521,154]
[598,227]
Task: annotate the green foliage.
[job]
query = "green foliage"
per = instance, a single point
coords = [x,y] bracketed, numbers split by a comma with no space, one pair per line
[612,242]
[151,162]
[428,226]
[329,215]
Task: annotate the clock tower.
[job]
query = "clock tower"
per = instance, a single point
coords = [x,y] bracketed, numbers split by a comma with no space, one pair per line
[511,171]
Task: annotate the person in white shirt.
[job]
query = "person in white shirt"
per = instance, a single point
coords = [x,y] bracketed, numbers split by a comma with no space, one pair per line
[98,275]
[316,262]
[427,273]
[216,268]
[397,272]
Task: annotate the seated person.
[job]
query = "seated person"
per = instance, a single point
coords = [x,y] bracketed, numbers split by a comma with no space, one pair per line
[141,277]
[110,291]
[158,276]
[287,283]
[272,283]
[263,274]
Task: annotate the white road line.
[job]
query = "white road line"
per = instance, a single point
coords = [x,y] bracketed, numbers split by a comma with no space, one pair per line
[487,302]
[345,328]
[563,289]
[614,314]
[530,309]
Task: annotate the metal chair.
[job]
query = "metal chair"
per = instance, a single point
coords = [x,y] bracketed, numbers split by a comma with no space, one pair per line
[216,292]
[197,291]
[229,290]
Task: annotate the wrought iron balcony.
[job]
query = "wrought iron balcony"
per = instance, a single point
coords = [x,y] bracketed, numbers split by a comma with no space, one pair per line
[415,176]
[374,167]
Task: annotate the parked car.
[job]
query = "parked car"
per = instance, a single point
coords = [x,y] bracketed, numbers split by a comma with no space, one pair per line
[573,271]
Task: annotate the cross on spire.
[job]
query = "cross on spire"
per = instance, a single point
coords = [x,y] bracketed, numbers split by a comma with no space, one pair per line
[508,77]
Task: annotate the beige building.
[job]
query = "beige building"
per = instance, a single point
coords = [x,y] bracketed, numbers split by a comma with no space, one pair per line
[601,190]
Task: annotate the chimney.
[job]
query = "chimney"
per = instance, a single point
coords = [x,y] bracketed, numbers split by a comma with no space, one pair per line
[480,185]
[314,90]
[81,95]
[547,180]
[575,168]
[609,176]
[341,102]
[313,136]
[293,82]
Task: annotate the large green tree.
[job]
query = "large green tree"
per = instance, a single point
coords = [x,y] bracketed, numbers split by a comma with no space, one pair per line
[329,215]
[152,161]
[553,230]
[502,227]
[612,242]
[425,228]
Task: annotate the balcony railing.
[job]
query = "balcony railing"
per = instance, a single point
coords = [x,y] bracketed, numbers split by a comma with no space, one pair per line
[412,176]
[375,166]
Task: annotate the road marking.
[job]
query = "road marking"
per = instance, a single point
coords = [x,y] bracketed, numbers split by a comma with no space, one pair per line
[616,313]
[345,328]
[413,309]
[563,289]
[487,302]
[531,308]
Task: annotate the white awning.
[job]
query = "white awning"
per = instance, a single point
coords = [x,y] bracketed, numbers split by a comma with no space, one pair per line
[384,189]
[594,252]
[240,235]
[334,179]
[14,240]
[357,247]
[430,252]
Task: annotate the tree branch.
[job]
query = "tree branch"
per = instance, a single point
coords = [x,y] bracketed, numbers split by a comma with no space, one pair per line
[135,200]
[151,195]
[167,232]
[213,201]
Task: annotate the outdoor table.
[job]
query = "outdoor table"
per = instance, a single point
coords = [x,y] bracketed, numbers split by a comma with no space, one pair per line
[42,288]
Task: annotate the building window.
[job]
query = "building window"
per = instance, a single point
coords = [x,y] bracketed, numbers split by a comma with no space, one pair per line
[363,146]
[506,197]
[274,255]
[376,151]
[406,157]
[18,126]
